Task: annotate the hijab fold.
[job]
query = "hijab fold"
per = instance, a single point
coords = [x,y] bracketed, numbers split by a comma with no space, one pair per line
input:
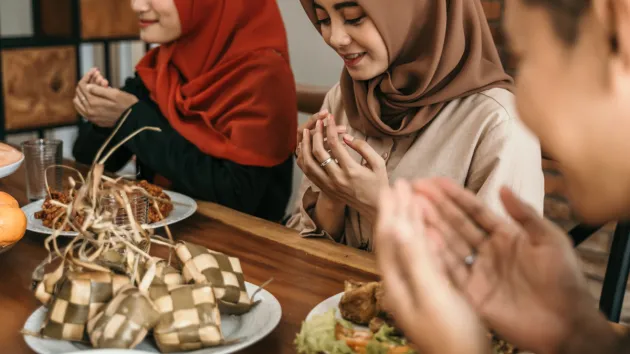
[439,50]
[226,84]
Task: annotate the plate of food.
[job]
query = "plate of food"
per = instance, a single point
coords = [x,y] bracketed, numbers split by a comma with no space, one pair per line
[10,160]
[175,207]
[243,331]
[354,321]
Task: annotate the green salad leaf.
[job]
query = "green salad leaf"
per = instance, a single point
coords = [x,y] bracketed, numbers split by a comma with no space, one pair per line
[318,336]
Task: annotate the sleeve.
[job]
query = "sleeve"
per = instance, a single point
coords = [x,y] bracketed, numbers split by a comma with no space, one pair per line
[301,218]
[192,172]
[90,140]
[508,155]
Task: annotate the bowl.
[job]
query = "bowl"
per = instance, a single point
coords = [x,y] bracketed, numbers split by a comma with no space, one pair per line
[9,169]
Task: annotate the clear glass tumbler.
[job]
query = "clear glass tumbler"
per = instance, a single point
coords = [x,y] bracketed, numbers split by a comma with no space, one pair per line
[39,154]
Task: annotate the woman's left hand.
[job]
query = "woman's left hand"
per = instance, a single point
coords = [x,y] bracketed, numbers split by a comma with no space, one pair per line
[338,175]
[106,105]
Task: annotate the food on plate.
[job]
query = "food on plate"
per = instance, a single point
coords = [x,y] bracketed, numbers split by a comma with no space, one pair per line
[9,155]
[125,322]
[164,206]
[52,213]
[12,220]
[325,333]
[106,286]
[361,304]
[189,317]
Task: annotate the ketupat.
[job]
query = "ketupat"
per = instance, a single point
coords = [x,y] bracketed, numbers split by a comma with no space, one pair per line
[223,273]
[125,321]
[189,317]
[80,297]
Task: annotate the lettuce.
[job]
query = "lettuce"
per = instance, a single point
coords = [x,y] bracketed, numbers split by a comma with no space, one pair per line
[318,336]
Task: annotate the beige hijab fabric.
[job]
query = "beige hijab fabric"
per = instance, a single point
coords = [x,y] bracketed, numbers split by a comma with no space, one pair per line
[439,50]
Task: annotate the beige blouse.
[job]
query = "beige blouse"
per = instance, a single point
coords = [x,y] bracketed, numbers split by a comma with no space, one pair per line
[477,141]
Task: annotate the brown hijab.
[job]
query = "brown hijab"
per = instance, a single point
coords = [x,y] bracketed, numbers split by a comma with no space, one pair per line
[439,50]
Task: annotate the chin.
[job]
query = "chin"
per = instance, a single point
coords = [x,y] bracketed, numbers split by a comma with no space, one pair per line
[361,75]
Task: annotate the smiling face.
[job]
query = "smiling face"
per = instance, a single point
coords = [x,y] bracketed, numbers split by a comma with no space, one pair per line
[348,30]
[159,20]
[573,92]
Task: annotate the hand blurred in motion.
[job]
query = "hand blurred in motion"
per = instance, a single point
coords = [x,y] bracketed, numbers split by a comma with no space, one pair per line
[521,276]
[432,313]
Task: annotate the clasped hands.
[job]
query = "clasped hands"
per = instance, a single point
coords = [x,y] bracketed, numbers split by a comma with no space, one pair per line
[98,103]
[323,156]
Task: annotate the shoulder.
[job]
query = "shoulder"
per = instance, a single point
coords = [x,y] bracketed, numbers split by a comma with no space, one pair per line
[487,112]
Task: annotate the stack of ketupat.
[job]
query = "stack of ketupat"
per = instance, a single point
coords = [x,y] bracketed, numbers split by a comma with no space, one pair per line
[108,289]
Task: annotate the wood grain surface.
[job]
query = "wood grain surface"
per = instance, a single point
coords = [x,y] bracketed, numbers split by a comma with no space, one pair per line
[38,86]
[110,18]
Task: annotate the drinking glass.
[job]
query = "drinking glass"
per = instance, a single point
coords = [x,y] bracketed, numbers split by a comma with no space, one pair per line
[39,154]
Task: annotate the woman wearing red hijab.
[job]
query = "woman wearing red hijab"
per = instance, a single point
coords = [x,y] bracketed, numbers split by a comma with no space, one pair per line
[221,89]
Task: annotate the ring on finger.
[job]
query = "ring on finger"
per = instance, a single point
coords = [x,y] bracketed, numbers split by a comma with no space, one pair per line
[470,259]
[326,162]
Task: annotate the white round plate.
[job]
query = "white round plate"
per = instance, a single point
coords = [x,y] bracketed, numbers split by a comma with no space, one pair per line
[9,169]
[248,328]
[184,208]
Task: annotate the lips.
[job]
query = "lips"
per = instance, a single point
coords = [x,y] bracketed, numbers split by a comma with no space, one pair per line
[352,59]
[146,23]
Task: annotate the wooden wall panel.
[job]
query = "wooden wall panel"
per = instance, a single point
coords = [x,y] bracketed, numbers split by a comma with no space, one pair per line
[108,18]
[56,18]
[38,86]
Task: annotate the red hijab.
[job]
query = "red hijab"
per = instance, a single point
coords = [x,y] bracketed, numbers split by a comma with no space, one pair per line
[226,84]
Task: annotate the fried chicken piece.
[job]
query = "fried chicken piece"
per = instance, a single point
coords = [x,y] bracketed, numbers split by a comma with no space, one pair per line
[358,303]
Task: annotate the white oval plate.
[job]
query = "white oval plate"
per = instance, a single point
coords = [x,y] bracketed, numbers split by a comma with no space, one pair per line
[9,169]
[184,208]
[249,328]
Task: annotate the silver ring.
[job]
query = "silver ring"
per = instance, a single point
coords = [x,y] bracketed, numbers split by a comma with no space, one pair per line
[326,162]
[470,259]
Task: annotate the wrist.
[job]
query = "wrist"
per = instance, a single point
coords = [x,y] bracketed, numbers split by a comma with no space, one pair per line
[589,333]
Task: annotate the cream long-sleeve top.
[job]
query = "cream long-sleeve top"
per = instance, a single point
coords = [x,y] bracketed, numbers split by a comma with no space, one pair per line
[477,141]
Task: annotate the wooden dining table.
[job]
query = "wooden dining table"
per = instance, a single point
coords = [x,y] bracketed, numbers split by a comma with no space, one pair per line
[305,271]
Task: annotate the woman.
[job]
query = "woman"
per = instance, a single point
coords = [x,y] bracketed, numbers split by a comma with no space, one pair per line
[422,94]
[221,89]
[574,93]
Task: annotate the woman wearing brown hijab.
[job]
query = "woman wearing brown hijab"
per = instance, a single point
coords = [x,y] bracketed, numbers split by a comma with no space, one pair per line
[422,94]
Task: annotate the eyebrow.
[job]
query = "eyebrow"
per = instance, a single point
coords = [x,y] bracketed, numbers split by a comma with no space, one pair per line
[338,6]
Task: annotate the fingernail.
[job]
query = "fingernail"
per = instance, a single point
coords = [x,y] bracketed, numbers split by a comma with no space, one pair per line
[348,138]
[318,124]
[323,112]
[88,87]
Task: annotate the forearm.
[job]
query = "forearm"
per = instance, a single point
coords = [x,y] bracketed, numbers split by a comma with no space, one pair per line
[329,215]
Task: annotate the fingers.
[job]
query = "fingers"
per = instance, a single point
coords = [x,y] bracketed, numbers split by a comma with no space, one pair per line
[471,205]
[321,153]
[310,166]
[534,225]
[310,123]
[107,93]
[373,159]
[460,221]
[80,108]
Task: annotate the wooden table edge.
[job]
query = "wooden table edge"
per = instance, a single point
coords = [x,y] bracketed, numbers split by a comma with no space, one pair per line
[320,248]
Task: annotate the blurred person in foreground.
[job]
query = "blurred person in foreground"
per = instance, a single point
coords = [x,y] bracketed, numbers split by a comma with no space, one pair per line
[453,268]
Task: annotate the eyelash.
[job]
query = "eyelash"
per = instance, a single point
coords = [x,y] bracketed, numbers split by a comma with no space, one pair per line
[352,22]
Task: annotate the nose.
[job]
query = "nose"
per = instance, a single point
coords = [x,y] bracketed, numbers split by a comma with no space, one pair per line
[339,38]
[140,6]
